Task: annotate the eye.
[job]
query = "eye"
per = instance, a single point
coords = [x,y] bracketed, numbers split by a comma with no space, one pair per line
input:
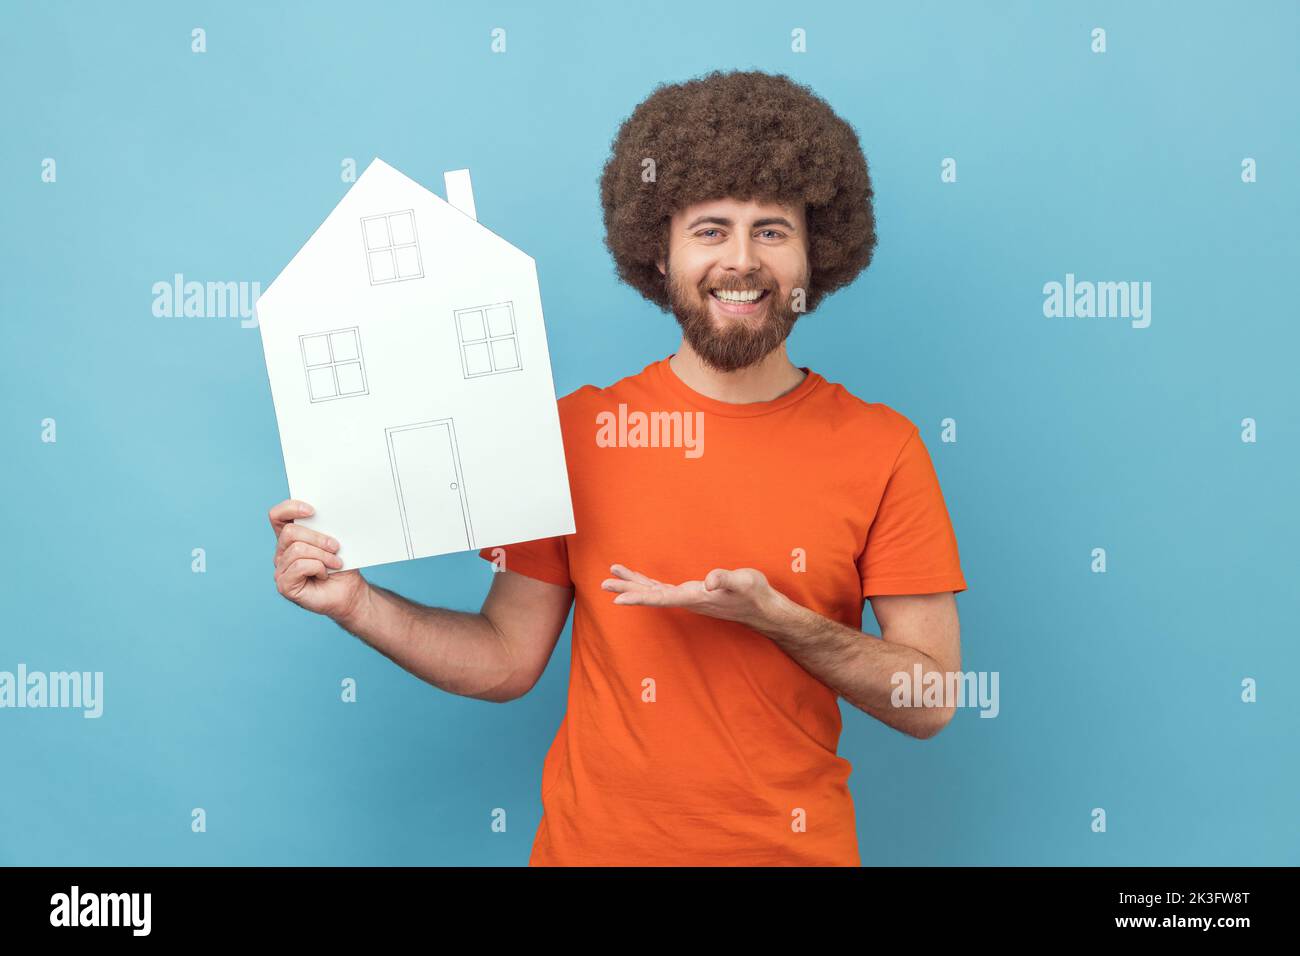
[705,232]
[775,233]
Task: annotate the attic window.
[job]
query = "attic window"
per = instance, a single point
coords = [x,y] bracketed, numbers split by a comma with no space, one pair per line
[489,339]
[392,247]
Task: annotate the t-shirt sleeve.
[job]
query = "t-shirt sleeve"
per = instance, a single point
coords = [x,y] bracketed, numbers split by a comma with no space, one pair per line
[546,559]
[911,547]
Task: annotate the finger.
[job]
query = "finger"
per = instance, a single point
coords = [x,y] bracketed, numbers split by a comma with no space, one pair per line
[630,575]
[659,597]
[286,511]
[301,549]
[618,584]
[297,532]
[299,571]
[645,597]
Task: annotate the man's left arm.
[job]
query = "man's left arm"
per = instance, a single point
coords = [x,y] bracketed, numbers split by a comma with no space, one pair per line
[860,667]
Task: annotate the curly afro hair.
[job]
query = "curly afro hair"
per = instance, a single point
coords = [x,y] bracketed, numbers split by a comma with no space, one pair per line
[743,135]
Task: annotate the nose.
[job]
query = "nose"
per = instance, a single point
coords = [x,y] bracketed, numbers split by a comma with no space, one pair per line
[740,256]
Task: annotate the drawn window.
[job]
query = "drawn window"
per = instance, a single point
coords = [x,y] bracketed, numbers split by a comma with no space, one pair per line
[489,341]
[392,247]
[333,364]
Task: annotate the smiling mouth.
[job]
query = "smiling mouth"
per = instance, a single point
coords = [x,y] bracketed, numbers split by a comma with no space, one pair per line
[750,297]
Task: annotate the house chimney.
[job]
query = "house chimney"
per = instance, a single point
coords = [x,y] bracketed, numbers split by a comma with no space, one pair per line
[459,191]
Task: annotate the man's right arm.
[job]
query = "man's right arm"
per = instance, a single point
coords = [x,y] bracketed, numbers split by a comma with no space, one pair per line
[496,654]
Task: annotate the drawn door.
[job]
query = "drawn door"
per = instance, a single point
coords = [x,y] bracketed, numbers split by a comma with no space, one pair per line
[430,491]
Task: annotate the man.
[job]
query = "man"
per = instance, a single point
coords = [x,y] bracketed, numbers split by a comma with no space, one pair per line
[723,551]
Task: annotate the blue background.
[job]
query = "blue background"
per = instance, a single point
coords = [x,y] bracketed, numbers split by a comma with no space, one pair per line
[1118,690]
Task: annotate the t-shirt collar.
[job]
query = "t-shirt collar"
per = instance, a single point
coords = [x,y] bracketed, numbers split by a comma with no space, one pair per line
[670,380]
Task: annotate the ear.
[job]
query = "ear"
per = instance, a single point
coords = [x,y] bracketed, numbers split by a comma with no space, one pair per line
[660,264]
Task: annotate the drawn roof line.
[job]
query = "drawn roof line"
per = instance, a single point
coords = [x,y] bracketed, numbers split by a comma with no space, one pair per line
[369,166]
[440,199]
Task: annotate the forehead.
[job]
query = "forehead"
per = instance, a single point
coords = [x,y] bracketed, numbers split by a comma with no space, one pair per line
[739,210]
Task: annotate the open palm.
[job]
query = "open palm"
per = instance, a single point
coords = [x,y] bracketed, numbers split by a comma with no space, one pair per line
[732,595]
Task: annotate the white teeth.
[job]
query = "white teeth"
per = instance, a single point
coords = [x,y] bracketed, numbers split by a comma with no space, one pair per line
[750,296]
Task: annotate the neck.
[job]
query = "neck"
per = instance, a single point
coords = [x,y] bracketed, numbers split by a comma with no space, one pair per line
[771,377]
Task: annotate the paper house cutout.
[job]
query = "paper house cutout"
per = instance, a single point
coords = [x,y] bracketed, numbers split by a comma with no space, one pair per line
[409,369]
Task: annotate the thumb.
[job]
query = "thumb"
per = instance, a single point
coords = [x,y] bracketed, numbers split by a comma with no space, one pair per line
[717,578]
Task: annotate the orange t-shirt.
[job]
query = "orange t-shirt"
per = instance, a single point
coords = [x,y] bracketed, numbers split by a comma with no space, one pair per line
[689,740]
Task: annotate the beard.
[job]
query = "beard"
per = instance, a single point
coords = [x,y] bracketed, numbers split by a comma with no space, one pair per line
[744,340]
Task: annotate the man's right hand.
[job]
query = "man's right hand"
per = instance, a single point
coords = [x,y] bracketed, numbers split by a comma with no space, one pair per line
[302,560]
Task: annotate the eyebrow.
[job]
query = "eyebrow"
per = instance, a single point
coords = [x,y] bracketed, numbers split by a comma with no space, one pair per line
[723,221]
